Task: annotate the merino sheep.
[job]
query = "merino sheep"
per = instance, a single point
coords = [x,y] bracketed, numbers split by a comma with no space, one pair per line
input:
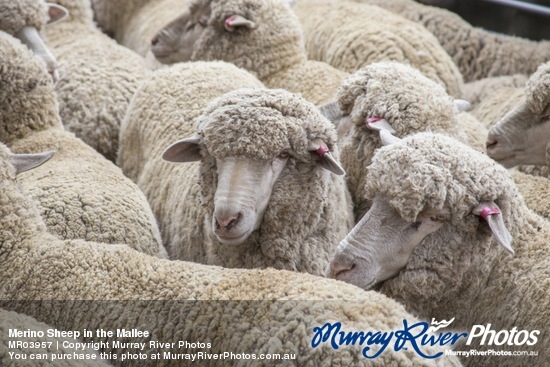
[170,301]
[523,135]
[535,191]
[477,52]
[432,238]
[50,347]
[268,195]
[81,194]
[349,36]
[408,102]
[263,37]
[307,208]
[98,78]
[24,19]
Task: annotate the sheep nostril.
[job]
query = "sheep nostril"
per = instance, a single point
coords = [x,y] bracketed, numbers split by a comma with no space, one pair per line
[337,270]
[154,41]
[491,144]
[228,223]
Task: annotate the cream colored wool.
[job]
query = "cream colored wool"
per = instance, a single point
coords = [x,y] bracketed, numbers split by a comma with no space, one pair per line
[180,93]
[349,36]
[497,104]
[477,91]
[409,101]
[536,192]
[13,320]
[274,51]
[98,78]
[81,194]
[308,212]
[460,271]
[14,15]
[477,52]
[287,306]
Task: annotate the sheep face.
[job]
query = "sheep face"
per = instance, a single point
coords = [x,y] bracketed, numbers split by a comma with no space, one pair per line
[381,243]
[521,137]
[175,41]
[242,195]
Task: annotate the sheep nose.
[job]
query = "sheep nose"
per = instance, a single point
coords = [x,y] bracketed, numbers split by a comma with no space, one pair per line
[337,269]
[491,143]
[227,222]
[154,41]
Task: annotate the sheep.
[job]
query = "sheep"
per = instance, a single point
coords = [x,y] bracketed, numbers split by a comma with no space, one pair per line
[408,101]
[478,91]
[171,301]
[264,38]
[477,53]
[522,136]
[98,78]
[266,182]
[42,345]
[24,19]
[432,240]
[184,203]
[349,36]
[81,194]
[535,191]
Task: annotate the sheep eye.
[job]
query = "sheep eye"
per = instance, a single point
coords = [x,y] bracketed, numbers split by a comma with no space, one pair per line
[283,156]
[438,218]
[416,225]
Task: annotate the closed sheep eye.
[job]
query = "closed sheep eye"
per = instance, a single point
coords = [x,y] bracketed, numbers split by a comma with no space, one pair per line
[438,218]
[283,156]
[416,225]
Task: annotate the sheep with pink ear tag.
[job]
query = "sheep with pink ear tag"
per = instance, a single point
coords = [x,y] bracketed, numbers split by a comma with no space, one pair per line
[449,235]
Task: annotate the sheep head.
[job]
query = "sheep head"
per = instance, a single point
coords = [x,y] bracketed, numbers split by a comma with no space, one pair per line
[419,186]
[249,138]
[520,137]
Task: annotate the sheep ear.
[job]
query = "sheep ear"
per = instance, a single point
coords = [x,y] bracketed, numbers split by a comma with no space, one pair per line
[492,214]
[387,138]
[235,21]
[462,105]
[56,13]
[327,160]
[379,124]
[26,162]
[185,150]
[331,111]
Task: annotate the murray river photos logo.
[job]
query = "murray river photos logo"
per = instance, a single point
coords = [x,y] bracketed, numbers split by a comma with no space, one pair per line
[416,337]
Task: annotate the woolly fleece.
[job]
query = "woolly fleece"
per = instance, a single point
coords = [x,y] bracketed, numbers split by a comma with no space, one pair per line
[477,52]
[349,36]
[408,100]
[535,191]
[460,271]
[81,195]
[36,266]
[98,78]
[309,211]
[14,15]
[180,93]
[274,51]
[13,320]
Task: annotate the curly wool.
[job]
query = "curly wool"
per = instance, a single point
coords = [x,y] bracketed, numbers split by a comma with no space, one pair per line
[537,90]
[451,183]
[460,271]
[349,36]
[409,101]
[97,82]
[274,51]
[477,52]
[81,195]
[287,306]
[14,15]
[180,93]
[309,211]
[59,346]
